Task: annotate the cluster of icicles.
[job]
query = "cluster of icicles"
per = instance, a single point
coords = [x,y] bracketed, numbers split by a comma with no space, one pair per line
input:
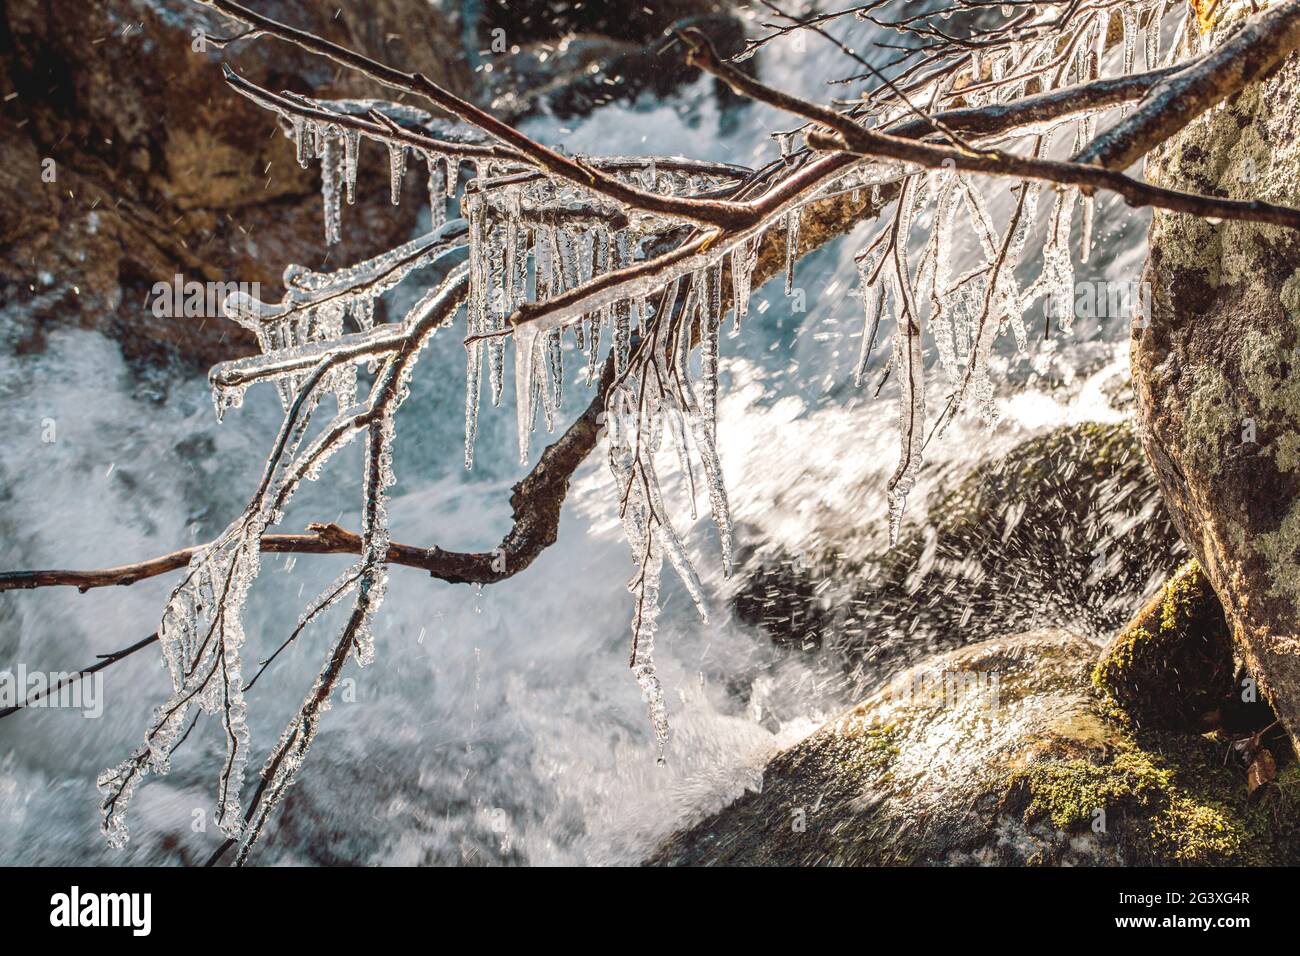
[531,238]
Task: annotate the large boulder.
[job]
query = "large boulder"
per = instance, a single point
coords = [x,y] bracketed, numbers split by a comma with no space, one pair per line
[1216,368]
[997,754]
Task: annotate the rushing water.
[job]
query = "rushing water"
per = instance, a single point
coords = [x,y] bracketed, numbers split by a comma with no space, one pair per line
[496,726]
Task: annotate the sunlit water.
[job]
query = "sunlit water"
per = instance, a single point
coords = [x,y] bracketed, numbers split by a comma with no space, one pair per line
[496,726]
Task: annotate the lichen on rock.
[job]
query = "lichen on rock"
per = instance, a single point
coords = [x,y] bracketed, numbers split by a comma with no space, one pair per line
[1214,369]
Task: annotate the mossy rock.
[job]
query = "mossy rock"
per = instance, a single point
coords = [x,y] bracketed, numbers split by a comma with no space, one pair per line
[1214,367]
[1066,528]
[998,754]
[1171,667]
[1072,516]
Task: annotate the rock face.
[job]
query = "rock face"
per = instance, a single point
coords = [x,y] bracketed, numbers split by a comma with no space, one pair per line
[996,754]
[1217,373]
[1171,668]
[159,168]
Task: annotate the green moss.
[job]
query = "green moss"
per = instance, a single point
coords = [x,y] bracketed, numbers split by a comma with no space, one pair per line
[1170,800]
[1287,451]
[1198,834]
[1070,793]
[900,783]
[1290,295]
[1280,549]
[862,752]
[1266,369]
[1243,151]
[1213,420]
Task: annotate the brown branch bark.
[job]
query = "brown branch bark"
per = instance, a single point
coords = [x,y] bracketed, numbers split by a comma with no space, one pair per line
[536,501]
[104,661]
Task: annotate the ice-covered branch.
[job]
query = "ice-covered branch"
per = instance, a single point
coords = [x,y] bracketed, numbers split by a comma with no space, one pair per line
[1256,48]
[845,134]
[640,259]
[575,171]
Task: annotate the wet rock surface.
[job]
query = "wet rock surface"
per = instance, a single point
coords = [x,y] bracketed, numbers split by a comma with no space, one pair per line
[125,159]
[996,754]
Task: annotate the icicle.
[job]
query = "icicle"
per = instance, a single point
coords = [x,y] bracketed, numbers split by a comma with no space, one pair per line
[1008,291]
[704,431]
[476,319]
[644,626]
[566,257]
[437,190]
[911,420]
[516,279]
[1085,238]
[639,523]
[453,175]
[1056,281]
[1100,37]
[1130,39]
[363,312]
[300,134]
[741,275]
[1152,46]
[873,305]
[525,338]
[710,303]
[396,170]
[791,246]
[622,310]
[499,306]
[601,252]
[330,175]
[351,147]
[677,428]
[554,388]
